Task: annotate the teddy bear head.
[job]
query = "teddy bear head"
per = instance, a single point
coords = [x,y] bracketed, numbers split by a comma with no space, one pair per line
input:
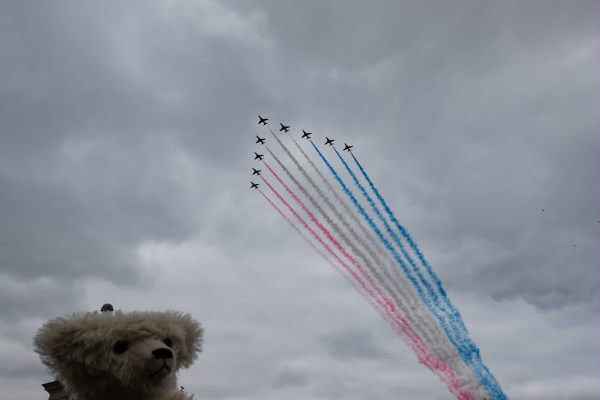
[117,355]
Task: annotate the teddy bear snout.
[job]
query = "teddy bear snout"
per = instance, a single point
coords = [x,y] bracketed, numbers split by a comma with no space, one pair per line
[162,354]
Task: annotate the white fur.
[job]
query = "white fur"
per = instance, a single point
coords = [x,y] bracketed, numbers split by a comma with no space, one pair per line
[79,350]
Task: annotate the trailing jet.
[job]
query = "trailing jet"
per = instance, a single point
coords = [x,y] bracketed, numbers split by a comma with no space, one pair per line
[306,134]
[255,171]
[258,157]
[260,140]
[253,185]
[329,141]
[285,128]
[262,120]
[347,148]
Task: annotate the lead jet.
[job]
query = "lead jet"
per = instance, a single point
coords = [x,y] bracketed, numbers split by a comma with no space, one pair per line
[255,171]
[258,157]
[253,185]
[262,120]
[285,128]
[329,141]
[347,148]
[260,140]
[306,134]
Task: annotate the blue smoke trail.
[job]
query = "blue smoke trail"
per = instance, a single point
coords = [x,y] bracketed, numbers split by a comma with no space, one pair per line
[466,354]
[467,344]
[408,238]
[431,273]
[387,244]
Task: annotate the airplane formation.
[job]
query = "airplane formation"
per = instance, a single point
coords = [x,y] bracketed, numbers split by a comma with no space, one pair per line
[455,331]
[285,128]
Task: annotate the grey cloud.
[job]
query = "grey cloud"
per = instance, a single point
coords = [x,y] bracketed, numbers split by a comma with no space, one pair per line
[128,123]
[291,377]
[42,297]
[352,345]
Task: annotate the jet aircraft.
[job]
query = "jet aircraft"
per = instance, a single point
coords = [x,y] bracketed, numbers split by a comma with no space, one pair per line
[329,141]
[255,171]
[260,140]
[262,120]
[258,157]
[285,128]
[253,185]
[347,148]
[306,134]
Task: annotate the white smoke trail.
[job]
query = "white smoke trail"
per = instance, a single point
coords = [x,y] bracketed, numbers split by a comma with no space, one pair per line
[393,315]
[348,210]
[426,320]
[331,262]
[399,290]
[394,283]
[374,263]
[381,276]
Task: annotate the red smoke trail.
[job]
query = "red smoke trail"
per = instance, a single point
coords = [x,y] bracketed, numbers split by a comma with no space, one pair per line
[315,248]
[399,324]
[289,221]
[390,304]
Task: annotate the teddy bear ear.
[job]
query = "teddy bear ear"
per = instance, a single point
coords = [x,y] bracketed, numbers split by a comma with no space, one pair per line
[54,341]
[190,335]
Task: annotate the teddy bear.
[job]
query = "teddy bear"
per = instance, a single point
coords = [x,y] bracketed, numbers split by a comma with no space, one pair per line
[120,355]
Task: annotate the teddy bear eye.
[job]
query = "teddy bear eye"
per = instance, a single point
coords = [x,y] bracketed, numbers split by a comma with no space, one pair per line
[168,342]
[120,346]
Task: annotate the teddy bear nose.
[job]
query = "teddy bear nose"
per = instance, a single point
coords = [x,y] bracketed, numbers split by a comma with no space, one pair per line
[162,353]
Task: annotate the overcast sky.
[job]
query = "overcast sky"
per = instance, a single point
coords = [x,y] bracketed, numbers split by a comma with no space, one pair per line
[126,141]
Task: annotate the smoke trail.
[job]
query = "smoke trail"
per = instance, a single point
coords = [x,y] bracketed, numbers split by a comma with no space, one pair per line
[421,321]
[322,195]
[339,269]
[323,255]
[467,345]
[377,272]
[466,356]
[399,291]
[298,231]
[341,201]
[396,292]
[369,248]
[374,207]
[458,337]
[425,326]
[329,236]
[373,226]
[411,242]
[376,255]
[396,278]
[430,360]
[438,283]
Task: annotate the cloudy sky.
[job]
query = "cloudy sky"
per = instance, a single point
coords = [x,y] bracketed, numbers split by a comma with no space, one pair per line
[125,153]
